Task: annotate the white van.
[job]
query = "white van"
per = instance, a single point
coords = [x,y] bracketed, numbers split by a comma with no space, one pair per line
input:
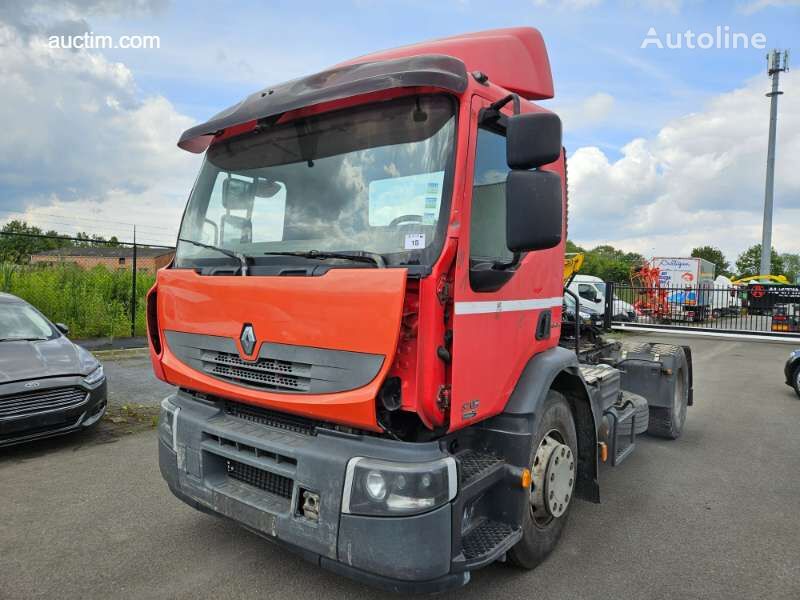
[592,292]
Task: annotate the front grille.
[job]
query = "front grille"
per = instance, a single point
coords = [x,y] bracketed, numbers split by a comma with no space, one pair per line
[31,403]
[271,418]
[265,373]
[264,480]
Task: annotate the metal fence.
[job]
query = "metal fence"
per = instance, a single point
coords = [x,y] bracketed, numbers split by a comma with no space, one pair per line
[763,309]
[95,287]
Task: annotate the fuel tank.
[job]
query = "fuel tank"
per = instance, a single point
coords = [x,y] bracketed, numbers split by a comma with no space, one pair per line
[317,346]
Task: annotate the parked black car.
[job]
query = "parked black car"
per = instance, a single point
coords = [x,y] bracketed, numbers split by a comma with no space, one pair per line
[48,385]
[792,371]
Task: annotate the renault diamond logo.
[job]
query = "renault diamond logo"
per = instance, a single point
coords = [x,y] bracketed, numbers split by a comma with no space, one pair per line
[248,339]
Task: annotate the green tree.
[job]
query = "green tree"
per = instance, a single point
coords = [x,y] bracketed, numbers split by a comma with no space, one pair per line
[610,264]
[713,255]
[20,243]
[791,266]
[749,262]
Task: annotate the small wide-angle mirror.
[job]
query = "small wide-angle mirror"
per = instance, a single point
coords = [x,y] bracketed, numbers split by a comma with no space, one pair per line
[237,194]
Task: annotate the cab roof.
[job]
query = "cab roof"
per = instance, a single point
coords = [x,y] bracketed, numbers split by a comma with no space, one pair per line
[514,59]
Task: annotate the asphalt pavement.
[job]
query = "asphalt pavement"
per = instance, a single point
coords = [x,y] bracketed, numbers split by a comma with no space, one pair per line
[715,514]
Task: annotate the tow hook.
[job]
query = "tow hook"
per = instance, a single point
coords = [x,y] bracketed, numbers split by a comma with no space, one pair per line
[310,506]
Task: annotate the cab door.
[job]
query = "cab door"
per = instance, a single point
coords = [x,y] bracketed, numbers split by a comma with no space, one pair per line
[503,314]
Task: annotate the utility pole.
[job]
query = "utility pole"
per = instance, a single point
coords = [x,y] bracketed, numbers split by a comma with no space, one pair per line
[776,62]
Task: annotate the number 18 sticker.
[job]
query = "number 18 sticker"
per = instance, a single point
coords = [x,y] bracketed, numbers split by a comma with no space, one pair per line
[415,241]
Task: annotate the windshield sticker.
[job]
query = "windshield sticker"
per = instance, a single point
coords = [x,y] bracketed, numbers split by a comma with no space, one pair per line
[415,241]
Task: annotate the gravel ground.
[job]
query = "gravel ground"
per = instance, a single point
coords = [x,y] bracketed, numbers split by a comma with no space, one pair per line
[713,515]
[131,380]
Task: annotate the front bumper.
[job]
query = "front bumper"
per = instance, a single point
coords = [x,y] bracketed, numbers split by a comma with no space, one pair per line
[404,554]
[52,415]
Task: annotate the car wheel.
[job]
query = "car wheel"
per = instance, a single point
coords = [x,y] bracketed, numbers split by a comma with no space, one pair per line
[554,463]
[796,379]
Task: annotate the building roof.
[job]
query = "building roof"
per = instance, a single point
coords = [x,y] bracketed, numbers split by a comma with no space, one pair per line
[105,252]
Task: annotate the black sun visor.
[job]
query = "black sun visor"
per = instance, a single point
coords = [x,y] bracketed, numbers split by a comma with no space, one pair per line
[438,71]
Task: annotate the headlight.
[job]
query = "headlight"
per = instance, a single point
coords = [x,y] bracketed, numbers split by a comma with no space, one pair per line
[381,488]
[95,376]
[168,422]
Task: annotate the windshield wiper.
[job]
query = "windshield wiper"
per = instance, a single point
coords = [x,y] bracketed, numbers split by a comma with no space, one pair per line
[242,258]
[357,256]
[23,339]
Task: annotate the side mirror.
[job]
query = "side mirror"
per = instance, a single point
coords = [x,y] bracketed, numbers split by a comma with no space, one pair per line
[534,211]
[532,140]
[62,328]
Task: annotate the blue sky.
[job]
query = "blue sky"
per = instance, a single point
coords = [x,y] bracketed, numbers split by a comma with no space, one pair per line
[212,54]
[667,146]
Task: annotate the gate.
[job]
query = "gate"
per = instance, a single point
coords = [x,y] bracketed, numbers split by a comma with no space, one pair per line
[762,310]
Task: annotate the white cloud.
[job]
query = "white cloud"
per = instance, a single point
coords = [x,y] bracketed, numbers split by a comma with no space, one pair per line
[567,4]
[590,111]
[699,180]
[79,140]
[749,8]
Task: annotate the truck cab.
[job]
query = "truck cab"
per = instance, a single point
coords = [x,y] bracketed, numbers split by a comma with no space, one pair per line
[363,320]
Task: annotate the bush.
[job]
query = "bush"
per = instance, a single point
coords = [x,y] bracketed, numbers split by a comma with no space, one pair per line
[92,303]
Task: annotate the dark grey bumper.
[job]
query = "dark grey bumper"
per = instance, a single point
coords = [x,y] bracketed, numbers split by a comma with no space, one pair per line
[398,553]
[48,421]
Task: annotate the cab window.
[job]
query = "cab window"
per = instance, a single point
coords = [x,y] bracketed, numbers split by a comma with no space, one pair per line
[488,217]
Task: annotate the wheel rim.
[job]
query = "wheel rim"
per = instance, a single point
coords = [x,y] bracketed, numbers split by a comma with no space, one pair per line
[552,479]
[797,378]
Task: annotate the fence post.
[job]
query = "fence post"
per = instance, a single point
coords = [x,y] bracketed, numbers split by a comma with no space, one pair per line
[133,286]
[609,306]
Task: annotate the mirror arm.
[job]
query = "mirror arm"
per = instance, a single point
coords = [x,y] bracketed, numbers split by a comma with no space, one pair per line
[496,106]
[492,112]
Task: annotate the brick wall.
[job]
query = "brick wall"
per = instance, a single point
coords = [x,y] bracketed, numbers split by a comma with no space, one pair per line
[148,264]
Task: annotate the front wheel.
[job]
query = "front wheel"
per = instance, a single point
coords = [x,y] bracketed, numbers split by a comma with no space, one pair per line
[553,464]
[796,379]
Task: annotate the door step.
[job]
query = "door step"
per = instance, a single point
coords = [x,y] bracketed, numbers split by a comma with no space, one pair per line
[475,465]
[488,541]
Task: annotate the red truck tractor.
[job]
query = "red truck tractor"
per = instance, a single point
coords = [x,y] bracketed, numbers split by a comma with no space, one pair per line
[363,321]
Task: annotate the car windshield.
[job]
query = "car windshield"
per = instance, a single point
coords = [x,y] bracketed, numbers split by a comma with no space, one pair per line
[372,179]
[19,321]
[601,287]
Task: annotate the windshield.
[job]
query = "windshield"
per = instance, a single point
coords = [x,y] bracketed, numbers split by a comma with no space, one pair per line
[369,179]
[601,287]
[19,321]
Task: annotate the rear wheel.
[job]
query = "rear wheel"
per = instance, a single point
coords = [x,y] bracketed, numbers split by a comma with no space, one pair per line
[554,464]
[796,379]
[667,422]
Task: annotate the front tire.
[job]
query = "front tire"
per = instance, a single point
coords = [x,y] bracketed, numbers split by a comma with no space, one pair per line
[540,529]
[796,380]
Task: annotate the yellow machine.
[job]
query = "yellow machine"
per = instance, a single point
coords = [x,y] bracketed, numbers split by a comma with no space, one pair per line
[757,278]
[572,264]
